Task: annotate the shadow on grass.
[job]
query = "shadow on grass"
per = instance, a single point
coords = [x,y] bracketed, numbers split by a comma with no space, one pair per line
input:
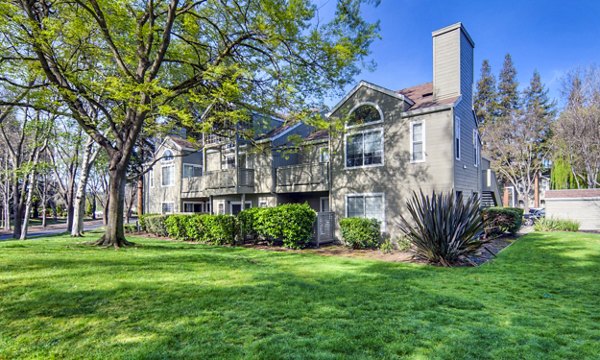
[537,300]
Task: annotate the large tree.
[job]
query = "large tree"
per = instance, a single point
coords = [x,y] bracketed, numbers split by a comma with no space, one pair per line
[486,99]
[577,131]
[137,62]
[508,92]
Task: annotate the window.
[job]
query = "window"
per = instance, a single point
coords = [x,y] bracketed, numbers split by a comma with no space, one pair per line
[167,156]
[417,142]
[365,205]
[228,162]
[221,208]
[167,178]
[151,178]
[457,138]
[364,148]
[207,207]
[193,207]
[323,154]
[167,208]
[476,147]
[364,114]
[190,170]
[262,203]
[324,204]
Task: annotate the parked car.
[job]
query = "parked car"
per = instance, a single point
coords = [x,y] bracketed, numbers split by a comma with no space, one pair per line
[534,215]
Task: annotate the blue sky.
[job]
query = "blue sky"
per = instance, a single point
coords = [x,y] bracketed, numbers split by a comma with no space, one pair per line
[550,36]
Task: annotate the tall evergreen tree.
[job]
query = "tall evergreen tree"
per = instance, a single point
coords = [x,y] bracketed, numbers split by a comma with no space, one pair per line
[486,94]
[508,94]
[536,100]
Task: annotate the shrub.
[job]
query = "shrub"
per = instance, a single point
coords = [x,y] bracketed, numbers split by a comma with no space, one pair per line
[500,220]
[442,227]
[130,228]
[219,229]
[403,243]
[290,224]
[156,225]
[177,226]
[553,224]
[247,222]
[360,233]
[196,231]
[387,246]
[142,221]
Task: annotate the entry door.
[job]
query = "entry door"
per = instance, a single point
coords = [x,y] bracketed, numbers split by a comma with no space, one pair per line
[324,204]
[236,207]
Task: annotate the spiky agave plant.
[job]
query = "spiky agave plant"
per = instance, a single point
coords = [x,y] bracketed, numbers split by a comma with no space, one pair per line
[442,227]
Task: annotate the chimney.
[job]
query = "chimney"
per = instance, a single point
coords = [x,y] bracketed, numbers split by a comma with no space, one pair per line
[452,63]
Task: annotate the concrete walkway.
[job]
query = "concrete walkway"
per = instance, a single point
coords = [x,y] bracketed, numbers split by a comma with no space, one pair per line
[55,229]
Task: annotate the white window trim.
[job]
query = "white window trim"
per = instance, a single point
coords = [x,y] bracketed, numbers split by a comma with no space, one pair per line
[320,151]
[321,203]
[239,203]
[370,123]
[151,177]
[476,148]
[167,161]
[161,175]
[413,123]
[192,165]
[364,195]
[346,167]
[457,131]
[193,203]
[167,202]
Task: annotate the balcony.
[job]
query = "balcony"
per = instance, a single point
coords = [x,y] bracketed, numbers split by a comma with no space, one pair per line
[303,178]
[220,182]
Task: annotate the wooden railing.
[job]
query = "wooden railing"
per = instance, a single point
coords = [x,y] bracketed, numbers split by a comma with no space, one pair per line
[303,174]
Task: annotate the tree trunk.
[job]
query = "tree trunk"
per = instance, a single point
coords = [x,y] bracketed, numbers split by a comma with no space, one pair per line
[44,202]
[79,208]
[17,209]
[94,207]
[114,234]
[28,205]
[140,197]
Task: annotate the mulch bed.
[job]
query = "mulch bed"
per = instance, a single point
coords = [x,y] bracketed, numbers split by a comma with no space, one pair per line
[487,252]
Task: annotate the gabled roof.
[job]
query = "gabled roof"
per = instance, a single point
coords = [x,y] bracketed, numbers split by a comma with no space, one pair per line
[278,131]
[317,135]
[422,97]
[370,86]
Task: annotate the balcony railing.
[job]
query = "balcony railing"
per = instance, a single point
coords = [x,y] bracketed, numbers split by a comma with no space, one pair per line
[224,181]
[303,177]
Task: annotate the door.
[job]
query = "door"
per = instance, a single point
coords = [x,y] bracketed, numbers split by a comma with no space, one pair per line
[236,206]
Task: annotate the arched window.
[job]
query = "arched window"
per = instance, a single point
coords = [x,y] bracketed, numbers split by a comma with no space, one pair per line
[167,156]
[365,114]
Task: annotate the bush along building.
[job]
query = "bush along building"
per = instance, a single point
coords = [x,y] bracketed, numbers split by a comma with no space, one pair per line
[394,142]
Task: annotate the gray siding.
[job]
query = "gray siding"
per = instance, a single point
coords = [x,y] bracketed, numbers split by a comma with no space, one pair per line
[398,177]
[446,65]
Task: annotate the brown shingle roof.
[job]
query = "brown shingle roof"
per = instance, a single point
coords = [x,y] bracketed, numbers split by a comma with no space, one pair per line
[422,96]
[276,131]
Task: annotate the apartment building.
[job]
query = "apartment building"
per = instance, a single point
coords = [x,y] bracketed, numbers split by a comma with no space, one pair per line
[394,142]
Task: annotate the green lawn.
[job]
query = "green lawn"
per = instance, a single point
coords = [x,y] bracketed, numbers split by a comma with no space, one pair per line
[540,299]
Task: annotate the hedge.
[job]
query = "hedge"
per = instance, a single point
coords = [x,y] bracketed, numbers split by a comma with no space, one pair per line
[155,224]
[290,224]
[499,220]
[212,229]
[360,233]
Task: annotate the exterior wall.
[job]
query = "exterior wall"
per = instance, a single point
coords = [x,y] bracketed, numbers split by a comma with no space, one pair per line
[584,210]
[254,199]
[398,177]
[313,199]
[467,176]
[261,160]
[446,62]
[158,194]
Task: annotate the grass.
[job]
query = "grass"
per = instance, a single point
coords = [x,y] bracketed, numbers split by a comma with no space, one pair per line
[59,299]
